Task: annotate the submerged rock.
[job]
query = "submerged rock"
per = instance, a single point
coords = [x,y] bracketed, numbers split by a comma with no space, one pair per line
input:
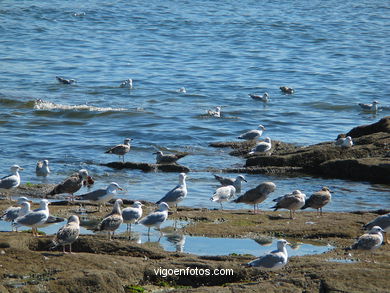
[146,167]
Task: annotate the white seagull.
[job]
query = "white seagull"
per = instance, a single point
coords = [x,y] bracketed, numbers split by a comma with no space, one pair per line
[224,193]
[236,182]
[156,218]
[127,83]
[370,107]
[36,218]
[11,213]
[42,168]
[252,134]
[274,260]
[132,214]
[100,196]
[262,147]
[11,181]
[264,98]
[177,194]
[215,113]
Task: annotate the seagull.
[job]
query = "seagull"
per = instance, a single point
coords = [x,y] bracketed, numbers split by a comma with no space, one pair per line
[318,199]
[67,234]
[42,168]
[224,193]
[370,107]
[215,113]
[11,213]
[287,90]
[132,214]
[34,218]
[168,158]
[100,196]
[182,90]
[121,149]
[127,83]
[236,182]
[344,142]
[177,194]
[256,195]
[156,218]
[252,134]
[381,221]
[65,81]
[11,181]
[274,260]
[262,147]
[264,98]
[113,220]
[291,201]
[370,241]
[70,185]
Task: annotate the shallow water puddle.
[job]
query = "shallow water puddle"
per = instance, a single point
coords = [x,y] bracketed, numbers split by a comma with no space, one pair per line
[342,260]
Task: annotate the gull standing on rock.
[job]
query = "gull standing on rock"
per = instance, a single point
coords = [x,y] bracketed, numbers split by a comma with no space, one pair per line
[121,149]
[224,193]
[383,222]
[370,107]
[262,147]
[35,218]
[70,185]
[177,194]
[236,182]
[11,213]
[344,142]
[264,98]
[274,260]
[168,158]
[100,196]
[156,218]
[291,201]
[132,214]
[67,234]
[318,200]
[215,113]
[256,195]
[370,241]
[252,134]
[11,181]
[42,168]
[113,220]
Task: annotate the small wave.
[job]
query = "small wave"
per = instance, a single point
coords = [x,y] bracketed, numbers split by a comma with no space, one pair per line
[45,105]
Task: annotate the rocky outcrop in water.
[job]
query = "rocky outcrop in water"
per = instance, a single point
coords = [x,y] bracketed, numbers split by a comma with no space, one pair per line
[368,159]
[146,167]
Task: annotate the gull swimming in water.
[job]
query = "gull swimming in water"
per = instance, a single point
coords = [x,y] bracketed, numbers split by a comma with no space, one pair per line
[215,113]
[257,195]
[11,213]
[168,158]
[291,201]
[383,222]
[182,90]
[224,193]
[127,83]
[64,80]
[70,185]
[100,196]
[274,260]
[67,234]
[42,168]
[132,214]
[252,134]
[344,142]
[318,200]
[370,107]
[264,98]
[262,147]
[156,218]
[35,218]
[177,194]
[121,149]
[113,220]
[236,182]
[287,90]
[11,181]
[369,241]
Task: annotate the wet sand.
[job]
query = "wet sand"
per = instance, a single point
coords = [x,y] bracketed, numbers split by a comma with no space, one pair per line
[100,265]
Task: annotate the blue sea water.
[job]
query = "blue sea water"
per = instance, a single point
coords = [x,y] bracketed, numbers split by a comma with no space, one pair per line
[335,54]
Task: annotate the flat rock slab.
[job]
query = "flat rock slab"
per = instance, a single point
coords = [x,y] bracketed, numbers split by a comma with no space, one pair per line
[146,167]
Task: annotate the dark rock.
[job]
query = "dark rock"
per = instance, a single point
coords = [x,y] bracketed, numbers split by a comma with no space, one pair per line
[382,125]
[146,167]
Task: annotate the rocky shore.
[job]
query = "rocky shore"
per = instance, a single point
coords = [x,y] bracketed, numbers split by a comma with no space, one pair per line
[368,159]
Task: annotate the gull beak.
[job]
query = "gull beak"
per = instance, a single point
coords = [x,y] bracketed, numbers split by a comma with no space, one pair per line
[245,180]
[288,243]
[120,188]
[20,168]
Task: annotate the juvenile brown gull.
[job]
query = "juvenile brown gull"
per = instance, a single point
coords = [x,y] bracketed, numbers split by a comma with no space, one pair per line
[113,220]
[318,200]
[274,260]
[70,185]
[168,158]
[256,195]
[236,182]
[369,241]
[291,201]
[67,234]
[252,134]
[121,149]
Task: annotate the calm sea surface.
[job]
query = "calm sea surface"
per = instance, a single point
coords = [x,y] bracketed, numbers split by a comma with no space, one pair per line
[335,54]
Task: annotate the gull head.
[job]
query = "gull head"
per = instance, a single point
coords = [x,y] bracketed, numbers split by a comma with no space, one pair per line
[241,178]
[267,139]
[114,186]
[74,219]
[127,140]
[326,188]
[15,168]
[83,173]
[44,203]
[376,230]
[118,202]
[375,102]
[46,162]
[261,127]
[282,243]
[22,199]
[137,204]
[163,207]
